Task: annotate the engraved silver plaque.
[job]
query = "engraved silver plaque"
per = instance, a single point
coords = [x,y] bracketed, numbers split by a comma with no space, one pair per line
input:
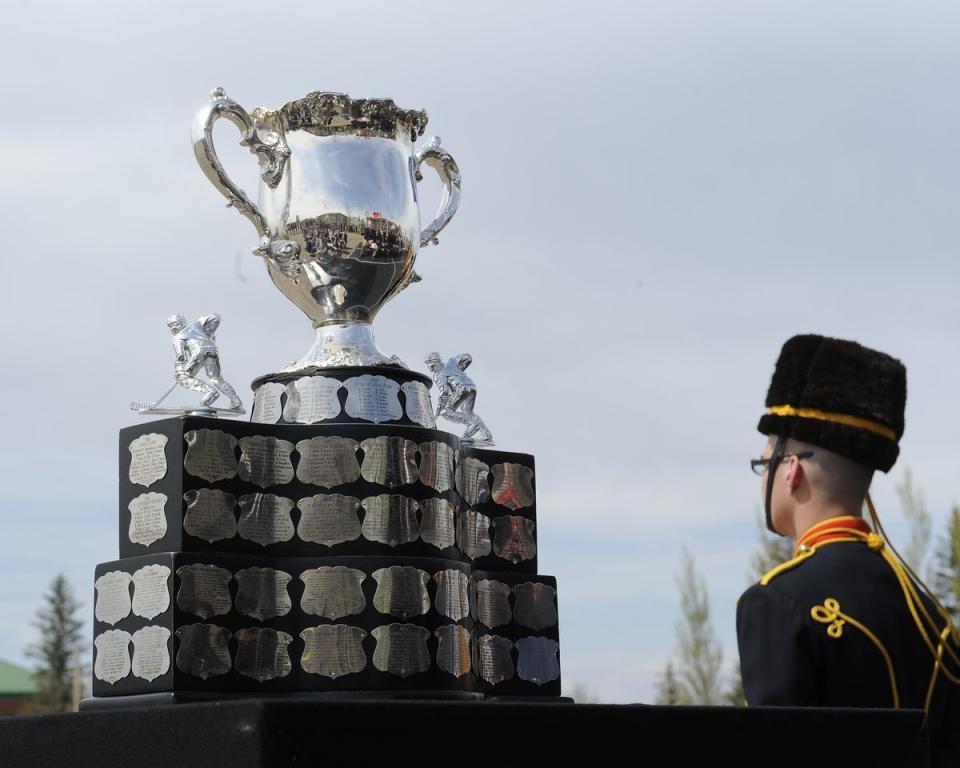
[204,650]
[535,605]
[204,590]
[390,519]
[437,465]
[491,603]
[401,649]
[265,518]
[265,461]
[373,398]
[453,594]
[262,593]
[513,538]
[329,519]
[148,519]
[151,656]
[113,656]
[473,533]
[472,481]
[266,403]
[493,661]
[113,597]
[333,650]
[333,591]
[210,515]
[401,591]
[148,461]
[538,662]
[437,525]
[151,594]
[419,407]
[512,486]
[328,461]
[210,454]
[453,652]
[311,399]
[389,461]
[262,653]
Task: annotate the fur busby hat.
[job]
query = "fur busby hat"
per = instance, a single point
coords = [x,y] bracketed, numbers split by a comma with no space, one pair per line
[839,395]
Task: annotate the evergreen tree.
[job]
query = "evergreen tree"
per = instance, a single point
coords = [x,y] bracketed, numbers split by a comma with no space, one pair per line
[58,650]
[945,576]
[669,689]
[700,656]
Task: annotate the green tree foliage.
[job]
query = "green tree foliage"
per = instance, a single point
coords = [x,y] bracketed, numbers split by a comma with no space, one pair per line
[918,519]
[945,573]
[58,649]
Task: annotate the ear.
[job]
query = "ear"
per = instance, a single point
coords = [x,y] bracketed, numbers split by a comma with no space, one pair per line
[793,473]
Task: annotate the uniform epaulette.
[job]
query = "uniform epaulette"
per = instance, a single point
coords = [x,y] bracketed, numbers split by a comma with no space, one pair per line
[787,566]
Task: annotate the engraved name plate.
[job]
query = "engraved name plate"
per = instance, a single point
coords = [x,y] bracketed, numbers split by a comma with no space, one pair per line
[373,398]
[472,481]
[389,461]
[473,533]
[453,594]
[266,403]
[453,652]
[419,407]
[437,464]
[491,603]
[328,461]
[151,656]
[151,593]
[493,662]
[113,597]
[333,591]
[401,649]
[512,486]
[265,461]
[210,454]
[262,653]
[329,519]
[535,605]
[262,593]
[513,538]
[148,520]
[437,526]
[113,656]
[204,590]
[333,650]
[312,399]
[209,514]
[401,591]
[148,462]
[390,519]
[538,662]
[265,518]
[204,650]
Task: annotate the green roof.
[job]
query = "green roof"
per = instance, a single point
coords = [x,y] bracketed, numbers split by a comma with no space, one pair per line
[16,681]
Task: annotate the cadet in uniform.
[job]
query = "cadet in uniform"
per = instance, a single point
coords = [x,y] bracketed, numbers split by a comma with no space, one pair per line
[845,622]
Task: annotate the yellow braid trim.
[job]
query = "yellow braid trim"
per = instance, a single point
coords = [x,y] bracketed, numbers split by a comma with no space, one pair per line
[790,564]
[838,418]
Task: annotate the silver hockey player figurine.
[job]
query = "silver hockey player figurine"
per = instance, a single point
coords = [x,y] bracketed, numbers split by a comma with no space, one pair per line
[457,395]
[196,351]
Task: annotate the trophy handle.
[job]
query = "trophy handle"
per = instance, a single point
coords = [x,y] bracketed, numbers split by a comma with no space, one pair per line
[269,147]
[446,167]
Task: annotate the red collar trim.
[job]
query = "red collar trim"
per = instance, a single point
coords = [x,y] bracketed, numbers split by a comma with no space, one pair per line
[834,528]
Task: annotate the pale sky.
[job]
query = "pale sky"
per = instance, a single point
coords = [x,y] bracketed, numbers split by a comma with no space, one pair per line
[656,195]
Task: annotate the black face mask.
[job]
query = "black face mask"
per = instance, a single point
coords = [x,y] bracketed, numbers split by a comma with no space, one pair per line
[775,458]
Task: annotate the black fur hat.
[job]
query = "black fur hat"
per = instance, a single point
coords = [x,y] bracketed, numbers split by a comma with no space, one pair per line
[839,395]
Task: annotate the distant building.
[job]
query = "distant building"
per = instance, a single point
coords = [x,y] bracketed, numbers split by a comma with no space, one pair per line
[17,689]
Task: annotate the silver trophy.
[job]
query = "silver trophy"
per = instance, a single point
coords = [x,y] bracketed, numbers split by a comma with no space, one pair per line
[457,396]
[337,214]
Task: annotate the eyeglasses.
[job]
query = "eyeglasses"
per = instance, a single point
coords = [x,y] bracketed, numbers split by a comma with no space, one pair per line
[759,465]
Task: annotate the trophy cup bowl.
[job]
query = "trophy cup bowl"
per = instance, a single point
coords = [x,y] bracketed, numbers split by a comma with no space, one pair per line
[337,212]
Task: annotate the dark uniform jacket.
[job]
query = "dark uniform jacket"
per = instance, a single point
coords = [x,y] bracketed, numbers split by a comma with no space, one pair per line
[833,628]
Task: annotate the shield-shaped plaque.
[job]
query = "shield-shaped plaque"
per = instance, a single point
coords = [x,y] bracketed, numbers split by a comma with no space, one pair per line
[535,605]
[389,461]
[266,403]
[148,461]
[262,653]
[204,650]
[472,481]
[151,656]
[390,519]
[437,526]
[204,590]
[437,465]
[113,655]
[493,662]
[538,662]
[333,591]
[373,398]
[453,652]
[512,485]
[151,590]
[513,538]
[265,461]
[210,515]
[453,594]
[473,533]
[419,407]
[401,591]
[333,650]
[265,518]
[148,518]
[491,603]
[328,461]
[329,519]
[262,593]
[311,399]
[113,597]
[210,454]
[401,649]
